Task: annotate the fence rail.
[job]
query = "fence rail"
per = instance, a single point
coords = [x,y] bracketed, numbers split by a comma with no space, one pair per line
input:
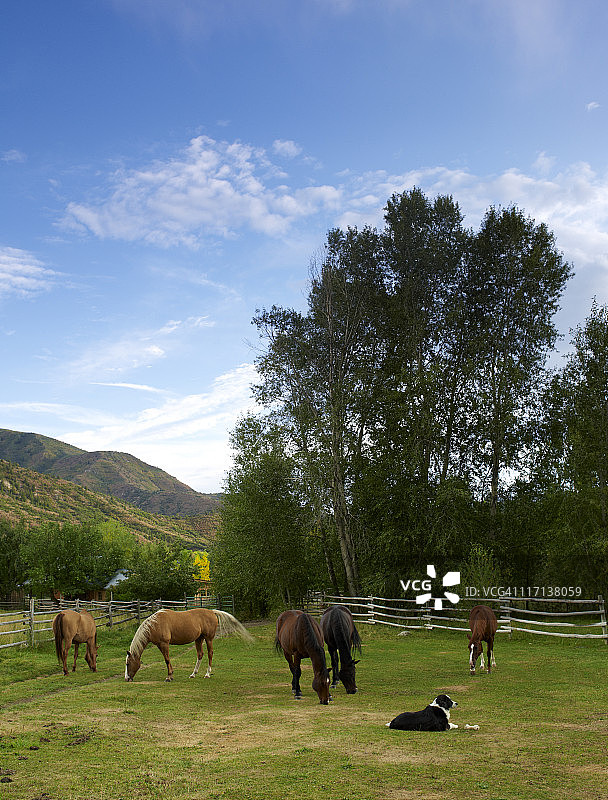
[582,618]
[32,622]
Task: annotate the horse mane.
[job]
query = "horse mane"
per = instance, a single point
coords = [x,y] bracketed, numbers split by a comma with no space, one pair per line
[142,635]
[310,638]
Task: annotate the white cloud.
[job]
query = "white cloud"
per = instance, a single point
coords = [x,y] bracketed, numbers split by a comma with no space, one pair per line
[592,106]
[287,149]
[210,189]
[21,274]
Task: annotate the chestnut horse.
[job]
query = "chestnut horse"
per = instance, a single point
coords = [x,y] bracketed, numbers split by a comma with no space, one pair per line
[167,627]
[299,636]
[483,625]
[341,637]
[75,627]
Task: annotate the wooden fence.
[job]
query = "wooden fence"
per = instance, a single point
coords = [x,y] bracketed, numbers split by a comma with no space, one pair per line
[32,624]
[569,619]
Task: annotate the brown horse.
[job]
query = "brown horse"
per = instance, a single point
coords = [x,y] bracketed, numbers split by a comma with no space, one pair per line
[75,627]
[167,627]
[342,638]
[483,625]
[299,636]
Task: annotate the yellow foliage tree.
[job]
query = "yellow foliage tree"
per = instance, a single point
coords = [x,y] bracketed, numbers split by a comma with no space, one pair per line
[201,565]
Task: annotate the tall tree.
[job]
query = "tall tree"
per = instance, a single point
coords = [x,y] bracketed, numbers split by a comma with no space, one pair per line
[264,550]
[322,368]
[518,276]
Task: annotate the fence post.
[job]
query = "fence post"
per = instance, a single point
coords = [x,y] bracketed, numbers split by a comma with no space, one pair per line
[138,611]
[602,605]
[32,620]
[370,611]
[507,612]
[110,620]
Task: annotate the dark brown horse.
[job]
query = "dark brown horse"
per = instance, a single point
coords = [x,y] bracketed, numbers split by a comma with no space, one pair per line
[75,627]
[342,638]
[483,625]
[299,636]
[165,627]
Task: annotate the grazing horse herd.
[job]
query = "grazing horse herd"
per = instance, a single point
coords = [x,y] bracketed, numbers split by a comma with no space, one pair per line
[298,636]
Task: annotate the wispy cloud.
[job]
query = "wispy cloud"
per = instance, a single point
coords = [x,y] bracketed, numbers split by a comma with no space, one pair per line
[23,275]
[132,351]
[138,387]
[187,436]
[13,157]
[592,105]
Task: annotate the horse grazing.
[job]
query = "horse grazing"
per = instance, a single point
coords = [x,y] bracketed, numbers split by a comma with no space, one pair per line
[342,637]
[483,625]
[75,627]
[299,636]
[167,627]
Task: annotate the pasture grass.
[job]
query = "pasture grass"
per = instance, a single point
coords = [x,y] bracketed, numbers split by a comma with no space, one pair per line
[542,713]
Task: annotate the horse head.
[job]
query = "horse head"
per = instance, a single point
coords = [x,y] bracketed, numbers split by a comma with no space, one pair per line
[91,655]
[133,663]
[475,649]
[347,676]
[320,684]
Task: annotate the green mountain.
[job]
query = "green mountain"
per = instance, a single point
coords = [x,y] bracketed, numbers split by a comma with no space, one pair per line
[119,475]
[31,497]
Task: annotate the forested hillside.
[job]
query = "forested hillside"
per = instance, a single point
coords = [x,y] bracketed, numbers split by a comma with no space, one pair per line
[31,498]
[108,472]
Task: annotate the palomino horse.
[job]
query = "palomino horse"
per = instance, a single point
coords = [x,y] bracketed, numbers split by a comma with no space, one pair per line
[483,625]
[75,627]
[299,636]
[167,627]
[341,637]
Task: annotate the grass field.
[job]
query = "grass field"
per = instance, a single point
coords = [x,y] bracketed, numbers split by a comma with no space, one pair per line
[543,716]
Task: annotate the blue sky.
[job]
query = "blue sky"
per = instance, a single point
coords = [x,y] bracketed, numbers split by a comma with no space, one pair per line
[169,166]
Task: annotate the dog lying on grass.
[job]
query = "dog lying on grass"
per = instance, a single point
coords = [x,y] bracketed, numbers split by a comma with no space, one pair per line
[435,717]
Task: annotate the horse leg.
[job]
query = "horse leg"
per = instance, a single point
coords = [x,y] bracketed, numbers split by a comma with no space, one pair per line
[297,671]
[199,656]
[335,668]
[209,641]
[66,644]
[164,649]
[75,655]
[491,659]
[482,665]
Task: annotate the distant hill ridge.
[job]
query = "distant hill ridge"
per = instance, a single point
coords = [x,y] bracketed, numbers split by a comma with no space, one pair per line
[119,475]
[32,498]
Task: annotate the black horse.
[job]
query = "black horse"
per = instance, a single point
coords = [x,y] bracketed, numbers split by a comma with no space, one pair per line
[342,637]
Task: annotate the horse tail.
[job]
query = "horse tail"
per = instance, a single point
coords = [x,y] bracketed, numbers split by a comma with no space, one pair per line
[58,633]
[278,646]
[229,624]
[356,643]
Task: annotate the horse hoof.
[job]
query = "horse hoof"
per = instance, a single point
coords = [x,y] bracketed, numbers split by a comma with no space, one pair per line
[168,680]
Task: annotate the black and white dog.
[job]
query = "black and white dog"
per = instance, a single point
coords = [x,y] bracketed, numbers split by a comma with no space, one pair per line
[435,717]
